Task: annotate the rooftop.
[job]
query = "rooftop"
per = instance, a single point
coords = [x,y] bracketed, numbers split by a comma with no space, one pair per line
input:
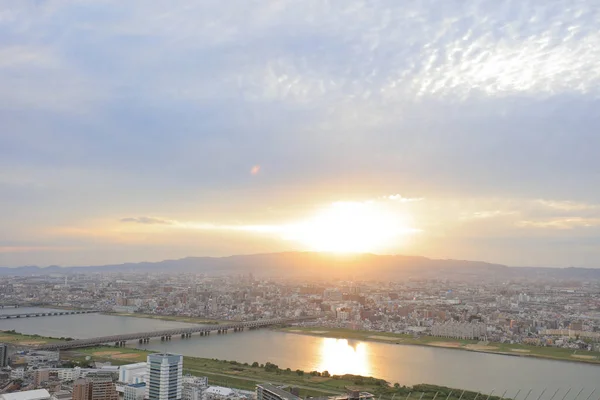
[278,391]
[137,385]
[26,395]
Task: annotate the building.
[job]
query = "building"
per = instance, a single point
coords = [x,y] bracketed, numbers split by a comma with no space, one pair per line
[218,393]
[576,326]
[61,395]
[96,386]
[134,391]
[82,389]
[193,387]
[266,391]
[41,375]
[40,394]
[460,330]
[103,386]
[3,355]
[133,373]
[164,376]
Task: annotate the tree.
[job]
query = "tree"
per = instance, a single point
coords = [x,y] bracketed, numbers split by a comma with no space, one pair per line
[396,385]
[300,372]
[254,364]
[270,367]
[325,374]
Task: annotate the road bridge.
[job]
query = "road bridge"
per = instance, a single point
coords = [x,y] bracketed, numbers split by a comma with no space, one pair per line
[46,314]
[186,332]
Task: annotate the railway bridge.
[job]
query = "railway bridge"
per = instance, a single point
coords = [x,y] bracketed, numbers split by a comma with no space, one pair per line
[46,314]
[144,337]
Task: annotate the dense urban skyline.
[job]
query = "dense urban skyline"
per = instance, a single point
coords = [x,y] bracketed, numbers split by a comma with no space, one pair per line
[148,131]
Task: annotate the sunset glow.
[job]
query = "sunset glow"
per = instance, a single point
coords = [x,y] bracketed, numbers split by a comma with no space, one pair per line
[351,227]
[339,357]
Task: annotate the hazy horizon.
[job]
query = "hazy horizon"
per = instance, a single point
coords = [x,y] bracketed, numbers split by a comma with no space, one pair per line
[152,130]
[345,256]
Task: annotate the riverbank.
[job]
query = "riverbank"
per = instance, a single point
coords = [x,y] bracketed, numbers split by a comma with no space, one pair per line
[175,318]
[19,339]
[247,375]
[517,350]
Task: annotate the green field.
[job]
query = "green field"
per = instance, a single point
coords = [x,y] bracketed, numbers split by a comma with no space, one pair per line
[520,350]
[19,339]
[245,376]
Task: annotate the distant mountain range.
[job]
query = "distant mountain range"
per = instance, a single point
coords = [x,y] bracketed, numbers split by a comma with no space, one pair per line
[323,265]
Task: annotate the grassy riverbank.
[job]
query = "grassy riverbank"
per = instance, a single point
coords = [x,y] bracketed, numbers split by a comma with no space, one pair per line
[19,339]
[245,376]
[520,350]
[177,318]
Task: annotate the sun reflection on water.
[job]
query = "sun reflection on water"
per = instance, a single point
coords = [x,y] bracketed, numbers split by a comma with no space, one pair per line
[339,357]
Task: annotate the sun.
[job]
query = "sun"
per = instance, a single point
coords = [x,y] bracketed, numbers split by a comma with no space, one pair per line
[351,227]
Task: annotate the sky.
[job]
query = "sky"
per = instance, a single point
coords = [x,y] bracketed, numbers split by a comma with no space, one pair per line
[147,130]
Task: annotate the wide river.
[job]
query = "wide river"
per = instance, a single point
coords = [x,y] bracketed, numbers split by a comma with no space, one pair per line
[407,365]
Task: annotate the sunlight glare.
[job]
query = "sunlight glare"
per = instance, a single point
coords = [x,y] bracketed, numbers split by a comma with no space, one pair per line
[351,227]
[338,357]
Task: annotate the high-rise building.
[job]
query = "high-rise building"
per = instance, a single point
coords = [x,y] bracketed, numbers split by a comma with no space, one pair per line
[82,389]
[3,355]
[96,386]
[103,386]
[164,378]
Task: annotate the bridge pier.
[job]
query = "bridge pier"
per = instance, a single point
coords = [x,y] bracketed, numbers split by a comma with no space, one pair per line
[162,338]
[141,341]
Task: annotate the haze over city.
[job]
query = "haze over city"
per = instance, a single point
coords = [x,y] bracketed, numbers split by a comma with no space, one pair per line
[142,131]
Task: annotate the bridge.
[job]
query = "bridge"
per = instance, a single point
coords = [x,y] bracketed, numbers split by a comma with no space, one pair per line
[46,314]
[144,337]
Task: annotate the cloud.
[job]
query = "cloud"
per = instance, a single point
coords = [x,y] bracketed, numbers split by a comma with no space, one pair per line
[561,223]
[488,214]
[401,199]
[568,205]
[36,249]
[148,220]
[255,170]
[458,102]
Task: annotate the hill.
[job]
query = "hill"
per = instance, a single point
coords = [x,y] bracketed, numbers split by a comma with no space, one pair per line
[324,265]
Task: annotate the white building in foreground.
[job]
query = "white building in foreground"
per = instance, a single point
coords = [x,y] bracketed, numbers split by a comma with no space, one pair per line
[165,377]
[39,394]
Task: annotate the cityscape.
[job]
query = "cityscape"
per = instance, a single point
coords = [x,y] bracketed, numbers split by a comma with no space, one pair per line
[533,318]
[300,200]
[537,312]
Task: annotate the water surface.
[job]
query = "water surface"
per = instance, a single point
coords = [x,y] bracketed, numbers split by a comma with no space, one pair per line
[407,365]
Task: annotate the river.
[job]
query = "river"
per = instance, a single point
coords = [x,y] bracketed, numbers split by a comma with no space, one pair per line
[407,365]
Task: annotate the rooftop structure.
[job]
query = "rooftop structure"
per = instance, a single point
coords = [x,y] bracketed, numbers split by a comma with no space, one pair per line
[39,394]
[267,391]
